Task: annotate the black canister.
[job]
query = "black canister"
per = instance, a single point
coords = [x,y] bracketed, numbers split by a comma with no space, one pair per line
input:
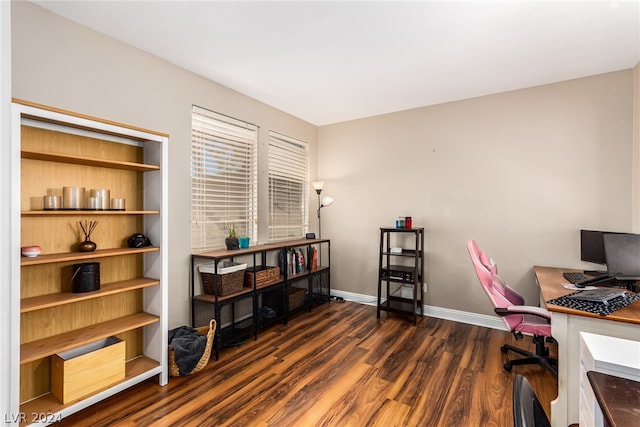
[85,277]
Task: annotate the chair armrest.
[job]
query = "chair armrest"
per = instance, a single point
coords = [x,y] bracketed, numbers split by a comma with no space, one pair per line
[524,309]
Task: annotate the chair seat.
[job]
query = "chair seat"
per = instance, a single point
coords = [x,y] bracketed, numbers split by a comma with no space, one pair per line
[535,326]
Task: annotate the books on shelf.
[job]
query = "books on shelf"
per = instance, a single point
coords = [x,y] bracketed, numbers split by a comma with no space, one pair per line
[293,261]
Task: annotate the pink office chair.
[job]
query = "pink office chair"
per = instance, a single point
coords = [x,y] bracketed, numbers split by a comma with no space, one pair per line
[519,318]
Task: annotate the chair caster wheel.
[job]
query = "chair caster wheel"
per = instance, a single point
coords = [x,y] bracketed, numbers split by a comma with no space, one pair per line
[504,349]
[507,367]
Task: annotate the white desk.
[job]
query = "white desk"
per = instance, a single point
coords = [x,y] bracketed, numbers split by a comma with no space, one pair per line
[566,325]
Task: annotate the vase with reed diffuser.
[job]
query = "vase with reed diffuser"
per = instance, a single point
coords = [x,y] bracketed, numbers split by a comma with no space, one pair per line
[87,228]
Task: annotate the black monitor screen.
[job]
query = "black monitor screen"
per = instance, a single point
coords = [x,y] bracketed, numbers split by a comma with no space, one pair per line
[592,246]
[623,255]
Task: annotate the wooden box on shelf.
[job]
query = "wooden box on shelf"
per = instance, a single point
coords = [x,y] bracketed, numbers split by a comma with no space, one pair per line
[84,370]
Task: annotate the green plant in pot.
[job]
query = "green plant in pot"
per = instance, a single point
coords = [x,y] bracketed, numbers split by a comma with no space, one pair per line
[231,241]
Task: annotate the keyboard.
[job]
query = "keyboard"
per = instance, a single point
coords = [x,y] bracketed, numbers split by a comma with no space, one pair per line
[579,278]
[575,276]
[612,305]
[599,295]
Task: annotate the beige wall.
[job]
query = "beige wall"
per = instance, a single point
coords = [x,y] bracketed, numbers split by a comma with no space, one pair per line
[521,172]
[59,63]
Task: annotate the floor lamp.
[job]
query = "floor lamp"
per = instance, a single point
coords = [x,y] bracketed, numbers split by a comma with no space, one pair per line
[326,201]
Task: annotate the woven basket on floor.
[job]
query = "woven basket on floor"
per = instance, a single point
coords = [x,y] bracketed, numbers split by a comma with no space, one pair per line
[209,332]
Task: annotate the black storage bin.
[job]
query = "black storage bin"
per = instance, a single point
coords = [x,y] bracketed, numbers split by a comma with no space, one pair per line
[85,277]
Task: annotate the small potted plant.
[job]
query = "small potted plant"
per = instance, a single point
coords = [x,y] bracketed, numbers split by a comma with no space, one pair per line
[231,241]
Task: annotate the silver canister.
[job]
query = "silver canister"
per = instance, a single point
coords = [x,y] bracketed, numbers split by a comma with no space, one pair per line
[50,203]
[103,195]
[117,204]
[73,197]
[94,203]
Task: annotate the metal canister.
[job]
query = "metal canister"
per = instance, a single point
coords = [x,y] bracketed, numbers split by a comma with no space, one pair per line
[104,196]
[73,197]
[51,202]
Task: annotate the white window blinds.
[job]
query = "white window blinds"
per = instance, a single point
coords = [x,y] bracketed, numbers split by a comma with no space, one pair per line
[288,187]
[223,178]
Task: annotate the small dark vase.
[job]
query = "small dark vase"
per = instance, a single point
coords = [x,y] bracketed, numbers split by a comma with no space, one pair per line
[87,246]
[232,243]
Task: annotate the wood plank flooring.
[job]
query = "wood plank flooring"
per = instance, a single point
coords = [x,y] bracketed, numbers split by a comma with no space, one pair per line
[339,366]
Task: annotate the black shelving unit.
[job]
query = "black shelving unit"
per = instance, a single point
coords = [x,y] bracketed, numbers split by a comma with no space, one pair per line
[252,299]
[400,270]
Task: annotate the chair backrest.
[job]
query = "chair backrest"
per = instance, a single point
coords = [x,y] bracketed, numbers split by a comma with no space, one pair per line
[527,410]
[501,295]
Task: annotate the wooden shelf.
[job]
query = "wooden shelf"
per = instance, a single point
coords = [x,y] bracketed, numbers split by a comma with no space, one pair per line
[79,256]
[86,161]
[85,212]
[49,405]
[393,278]
[49,346]
[57,299]
[212,298]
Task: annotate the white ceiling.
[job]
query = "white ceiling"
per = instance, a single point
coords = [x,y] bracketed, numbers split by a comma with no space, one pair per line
[332,61]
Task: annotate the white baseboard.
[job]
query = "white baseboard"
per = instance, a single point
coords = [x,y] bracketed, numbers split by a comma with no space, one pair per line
[492,322]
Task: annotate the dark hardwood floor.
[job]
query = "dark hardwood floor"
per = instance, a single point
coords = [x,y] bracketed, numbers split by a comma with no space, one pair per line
[339,366]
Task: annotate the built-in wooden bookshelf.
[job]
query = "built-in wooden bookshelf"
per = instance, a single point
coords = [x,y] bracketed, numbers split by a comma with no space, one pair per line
[57,149]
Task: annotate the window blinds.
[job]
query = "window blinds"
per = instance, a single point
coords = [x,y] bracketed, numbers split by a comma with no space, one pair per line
[223,178]
[288,187]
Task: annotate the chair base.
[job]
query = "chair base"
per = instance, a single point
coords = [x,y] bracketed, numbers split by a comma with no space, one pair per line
[540,357]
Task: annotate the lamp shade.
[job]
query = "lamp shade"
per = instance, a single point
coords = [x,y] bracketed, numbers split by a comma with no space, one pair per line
[327,200]
[317,185]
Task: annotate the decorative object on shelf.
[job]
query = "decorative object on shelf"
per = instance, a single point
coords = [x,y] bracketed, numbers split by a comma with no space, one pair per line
[117,204]
[244,242]
[231,241]
[326,201]
[138,240]
[86,277]
[51,203]
[73,197]
[30,251]
[103,197]
[93,203]
[87,228]
[408,222]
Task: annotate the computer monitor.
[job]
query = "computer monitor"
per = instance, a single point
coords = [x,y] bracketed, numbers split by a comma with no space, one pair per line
[592,246]
[623,256]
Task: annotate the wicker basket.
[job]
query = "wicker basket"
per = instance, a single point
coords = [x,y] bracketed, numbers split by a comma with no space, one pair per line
[296,297]
[264,276]
[209,332]
[223,283]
